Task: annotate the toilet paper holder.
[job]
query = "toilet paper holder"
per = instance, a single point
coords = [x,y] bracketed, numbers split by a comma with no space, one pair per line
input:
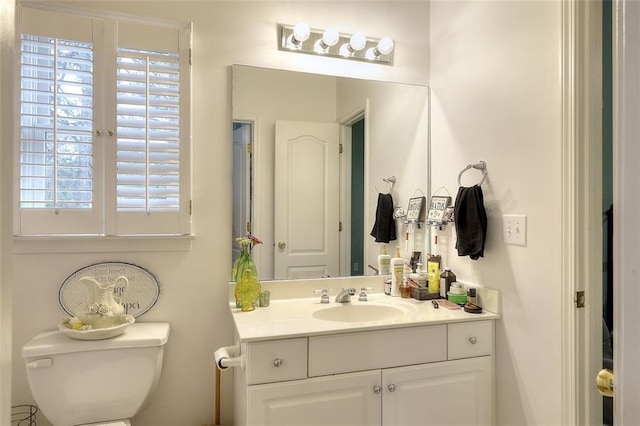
[229,356]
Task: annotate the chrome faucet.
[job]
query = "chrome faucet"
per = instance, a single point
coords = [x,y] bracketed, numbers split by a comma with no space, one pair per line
[345,295]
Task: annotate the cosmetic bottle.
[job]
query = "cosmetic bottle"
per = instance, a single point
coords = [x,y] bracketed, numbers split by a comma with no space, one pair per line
[397,269]
[384,261]
[446,278]
[433,276]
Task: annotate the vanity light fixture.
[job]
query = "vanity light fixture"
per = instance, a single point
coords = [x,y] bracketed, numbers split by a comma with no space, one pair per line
[301,38]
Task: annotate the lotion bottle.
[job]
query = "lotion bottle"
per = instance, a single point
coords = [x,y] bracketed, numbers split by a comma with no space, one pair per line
[397,272]
[384,262]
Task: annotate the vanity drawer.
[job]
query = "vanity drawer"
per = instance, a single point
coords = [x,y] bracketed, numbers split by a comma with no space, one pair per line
[276,360]
[470,339]
[341,353]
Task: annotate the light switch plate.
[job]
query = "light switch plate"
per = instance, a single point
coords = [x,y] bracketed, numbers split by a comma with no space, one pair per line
[514,228]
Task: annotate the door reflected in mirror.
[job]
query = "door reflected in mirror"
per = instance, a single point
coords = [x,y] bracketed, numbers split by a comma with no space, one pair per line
[309,152]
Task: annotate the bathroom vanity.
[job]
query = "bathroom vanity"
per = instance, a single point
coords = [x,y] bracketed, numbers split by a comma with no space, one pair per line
[386,361]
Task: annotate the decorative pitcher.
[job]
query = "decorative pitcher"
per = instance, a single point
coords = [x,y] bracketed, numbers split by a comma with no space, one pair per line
[103,308]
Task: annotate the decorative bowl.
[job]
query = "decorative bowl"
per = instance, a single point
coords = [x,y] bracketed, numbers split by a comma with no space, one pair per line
[66,326]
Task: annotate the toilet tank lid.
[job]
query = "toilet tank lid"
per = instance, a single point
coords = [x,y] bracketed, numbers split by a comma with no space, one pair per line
[137,335]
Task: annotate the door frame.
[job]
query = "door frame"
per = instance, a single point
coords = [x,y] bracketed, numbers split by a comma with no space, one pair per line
[359,113]
[260,202]
[581,193]
[626,199]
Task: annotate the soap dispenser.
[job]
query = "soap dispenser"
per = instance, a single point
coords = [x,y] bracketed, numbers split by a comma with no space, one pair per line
[397,272]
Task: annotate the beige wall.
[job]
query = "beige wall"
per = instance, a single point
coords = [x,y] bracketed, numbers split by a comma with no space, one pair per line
[495,79]
[193,291]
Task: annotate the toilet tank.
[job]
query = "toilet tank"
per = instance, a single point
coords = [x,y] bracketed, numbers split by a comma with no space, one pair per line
[84,381]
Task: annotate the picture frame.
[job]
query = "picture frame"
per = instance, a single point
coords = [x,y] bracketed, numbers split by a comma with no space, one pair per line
[416,210]
[437,209]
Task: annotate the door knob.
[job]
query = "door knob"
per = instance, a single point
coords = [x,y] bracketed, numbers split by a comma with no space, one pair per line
[282,245]
[604,382]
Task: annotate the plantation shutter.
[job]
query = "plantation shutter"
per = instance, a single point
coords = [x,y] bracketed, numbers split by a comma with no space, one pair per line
[56,186]
[152,82]
[105,126]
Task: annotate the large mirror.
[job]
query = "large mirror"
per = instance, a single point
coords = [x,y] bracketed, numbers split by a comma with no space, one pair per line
[311,154]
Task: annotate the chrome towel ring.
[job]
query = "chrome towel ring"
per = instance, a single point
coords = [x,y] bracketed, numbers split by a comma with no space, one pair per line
[480,165]
[391,180]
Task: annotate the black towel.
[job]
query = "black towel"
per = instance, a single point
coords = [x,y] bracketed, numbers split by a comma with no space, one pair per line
[471,222]
[384,230]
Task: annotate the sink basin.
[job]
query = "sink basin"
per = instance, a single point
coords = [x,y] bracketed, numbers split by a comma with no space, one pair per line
[358,313]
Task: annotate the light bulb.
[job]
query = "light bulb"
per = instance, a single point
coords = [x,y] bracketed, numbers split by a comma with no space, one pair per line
[385,46]
[358,41]
[346,50]
[301,32]
[330,37]
[372,54]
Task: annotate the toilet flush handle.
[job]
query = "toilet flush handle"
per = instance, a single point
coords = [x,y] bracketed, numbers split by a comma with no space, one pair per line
[40,363]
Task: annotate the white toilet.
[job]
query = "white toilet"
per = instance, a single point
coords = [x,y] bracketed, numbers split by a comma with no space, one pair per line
[95,382]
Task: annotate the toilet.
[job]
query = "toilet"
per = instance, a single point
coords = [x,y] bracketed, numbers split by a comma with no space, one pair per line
[95,382]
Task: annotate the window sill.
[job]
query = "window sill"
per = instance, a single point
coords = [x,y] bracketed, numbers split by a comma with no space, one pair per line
[100,244]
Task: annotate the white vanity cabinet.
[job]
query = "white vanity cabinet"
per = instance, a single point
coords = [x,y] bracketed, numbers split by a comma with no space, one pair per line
[344,399]
[424,375]
[456,392]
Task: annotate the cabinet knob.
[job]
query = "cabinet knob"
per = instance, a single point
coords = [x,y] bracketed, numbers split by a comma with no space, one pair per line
[377,389]
[473,340]
[391,387]
[282,245]
[278,362]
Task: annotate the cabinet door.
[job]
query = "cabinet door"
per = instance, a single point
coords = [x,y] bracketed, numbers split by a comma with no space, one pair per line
[444,393]
[345,399]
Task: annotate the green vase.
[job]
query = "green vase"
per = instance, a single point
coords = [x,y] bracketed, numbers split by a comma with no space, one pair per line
[244,262]
[247,291]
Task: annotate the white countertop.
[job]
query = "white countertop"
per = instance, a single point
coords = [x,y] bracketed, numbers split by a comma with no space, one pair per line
[287,318]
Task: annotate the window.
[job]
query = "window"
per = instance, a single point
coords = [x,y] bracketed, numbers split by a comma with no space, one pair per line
[104,126]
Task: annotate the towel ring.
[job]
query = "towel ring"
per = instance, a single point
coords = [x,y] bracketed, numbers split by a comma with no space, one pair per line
[391,180]
[480,165]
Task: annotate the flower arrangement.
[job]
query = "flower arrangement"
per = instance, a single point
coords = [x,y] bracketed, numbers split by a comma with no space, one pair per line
[244,262]
[248,242]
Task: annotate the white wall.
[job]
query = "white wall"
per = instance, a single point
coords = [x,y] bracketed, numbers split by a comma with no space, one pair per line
[194,293]
[495,78]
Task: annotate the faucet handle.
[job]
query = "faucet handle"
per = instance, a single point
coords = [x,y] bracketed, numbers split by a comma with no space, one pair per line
[363,294]
[324,298]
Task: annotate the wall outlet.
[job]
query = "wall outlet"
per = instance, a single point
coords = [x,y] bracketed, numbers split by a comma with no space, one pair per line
[514,228]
